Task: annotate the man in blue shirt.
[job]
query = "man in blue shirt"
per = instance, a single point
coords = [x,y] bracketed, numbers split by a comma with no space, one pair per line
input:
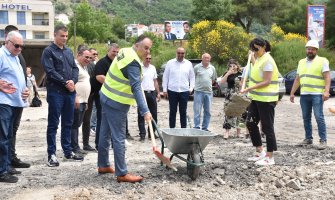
[62,74]
[13,94]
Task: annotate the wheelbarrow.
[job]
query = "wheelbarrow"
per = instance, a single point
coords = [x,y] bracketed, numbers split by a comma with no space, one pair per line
[187,141]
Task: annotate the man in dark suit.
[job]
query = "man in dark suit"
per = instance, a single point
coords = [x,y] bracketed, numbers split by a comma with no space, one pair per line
[168,35]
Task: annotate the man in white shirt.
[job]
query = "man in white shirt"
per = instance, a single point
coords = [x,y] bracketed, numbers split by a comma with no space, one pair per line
[151,91]
[178,83]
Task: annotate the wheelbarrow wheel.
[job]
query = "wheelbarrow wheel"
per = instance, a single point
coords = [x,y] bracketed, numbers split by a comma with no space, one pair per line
[192,170]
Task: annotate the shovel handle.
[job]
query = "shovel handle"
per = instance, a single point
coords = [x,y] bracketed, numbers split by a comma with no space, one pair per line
[246,72]
[151,130]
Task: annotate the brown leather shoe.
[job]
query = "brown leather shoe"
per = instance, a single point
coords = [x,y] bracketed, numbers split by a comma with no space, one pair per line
[129,178]
[105,170]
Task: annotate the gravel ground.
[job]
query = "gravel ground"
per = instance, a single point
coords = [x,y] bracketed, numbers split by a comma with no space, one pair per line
[300,172]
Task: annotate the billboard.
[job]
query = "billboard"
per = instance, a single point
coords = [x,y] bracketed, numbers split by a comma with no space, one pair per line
[176,30]
[316,21]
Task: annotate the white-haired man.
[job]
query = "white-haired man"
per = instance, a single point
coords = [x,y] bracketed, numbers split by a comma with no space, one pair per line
[13,94]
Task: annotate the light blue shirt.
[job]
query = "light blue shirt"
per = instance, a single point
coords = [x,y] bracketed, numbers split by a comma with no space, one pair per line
[12,72]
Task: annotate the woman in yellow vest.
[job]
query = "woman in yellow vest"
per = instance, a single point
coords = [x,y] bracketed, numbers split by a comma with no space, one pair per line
[263,90]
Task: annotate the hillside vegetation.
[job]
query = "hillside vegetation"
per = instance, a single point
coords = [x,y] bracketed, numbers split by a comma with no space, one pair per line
[136,11]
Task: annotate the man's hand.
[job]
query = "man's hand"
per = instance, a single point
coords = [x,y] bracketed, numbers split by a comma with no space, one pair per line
[245,90]
[6,87]
[325,96]
[25,94]
[147,117]
[165,94]
[158,97]
[70,85]
[292,98]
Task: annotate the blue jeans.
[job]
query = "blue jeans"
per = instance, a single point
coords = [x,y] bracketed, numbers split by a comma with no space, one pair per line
[112,128]
[176,98]
[6,130]
[60,104]
[93,122]
[315,102]
[202,99]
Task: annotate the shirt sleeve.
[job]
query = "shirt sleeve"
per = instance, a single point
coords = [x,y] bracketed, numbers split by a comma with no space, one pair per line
[166,77]
[191,77]
[155,72]
[325,66]
[268,67]
[133,71]
[75,69]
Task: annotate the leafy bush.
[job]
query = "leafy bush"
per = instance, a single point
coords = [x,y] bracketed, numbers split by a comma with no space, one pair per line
[221,39]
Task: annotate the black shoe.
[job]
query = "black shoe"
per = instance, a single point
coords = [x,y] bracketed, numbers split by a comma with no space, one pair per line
[74,157]
[129,137]
[88,148]
[13,171]
[307,142]
[142,138]
[17,163]
[8,178]
[79,151]
[52,161]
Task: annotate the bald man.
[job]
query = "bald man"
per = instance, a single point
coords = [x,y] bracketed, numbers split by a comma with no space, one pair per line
[205,75]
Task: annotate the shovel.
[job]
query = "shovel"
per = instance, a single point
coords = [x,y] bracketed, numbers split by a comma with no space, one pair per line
[159,155]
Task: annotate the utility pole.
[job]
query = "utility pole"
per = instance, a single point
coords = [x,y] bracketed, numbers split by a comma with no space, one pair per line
[74,32]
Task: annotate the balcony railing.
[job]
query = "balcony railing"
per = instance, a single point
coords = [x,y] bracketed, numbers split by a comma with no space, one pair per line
[41,22]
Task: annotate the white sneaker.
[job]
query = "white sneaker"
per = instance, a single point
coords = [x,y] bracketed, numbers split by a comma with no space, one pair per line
[92,133]
[265,161]
[127,143]
[258,156]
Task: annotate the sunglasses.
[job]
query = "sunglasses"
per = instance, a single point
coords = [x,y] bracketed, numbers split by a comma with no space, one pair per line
[89,58]
[148,58]
[254,49]
[17,45]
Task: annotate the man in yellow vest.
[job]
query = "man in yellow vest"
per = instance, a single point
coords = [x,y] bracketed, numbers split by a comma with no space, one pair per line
[313,77]
[122,88]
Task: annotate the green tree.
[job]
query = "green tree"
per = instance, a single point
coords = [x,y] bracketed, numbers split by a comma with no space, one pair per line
[118,27]
[211,9]
[246,12]
[330,28]
[292,16]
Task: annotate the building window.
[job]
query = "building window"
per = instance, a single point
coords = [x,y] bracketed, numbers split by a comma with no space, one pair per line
[3,17]
[40,19]
[2,34]
[21,18]
[39,35]
[23,33]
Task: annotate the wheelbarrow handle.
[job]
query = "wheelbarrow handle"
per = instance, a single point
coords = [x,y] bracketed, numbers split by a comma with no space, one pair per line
[159,133]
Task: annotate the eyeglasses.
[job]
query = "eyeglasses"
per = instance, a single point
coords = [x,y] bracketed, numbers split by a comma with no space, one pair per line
[180,53]
[16,45]
[148,58]
[89,58]
[115,51]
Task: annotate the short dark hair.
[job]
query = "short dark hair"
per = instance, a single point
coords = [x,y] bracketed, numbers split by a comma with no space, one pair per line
[81,50]
[185,23]
[10,28]
[141,38]
[113,45]
[60,27]
[166,23]
[82,46]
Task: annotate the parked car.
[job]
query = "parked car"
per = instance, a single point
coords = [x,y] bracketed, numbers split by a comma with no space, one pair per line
[290,76]
[220,89]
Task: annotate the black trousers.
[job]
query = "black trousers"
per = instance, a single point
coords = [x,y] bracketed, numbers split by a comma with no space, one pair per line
[97,130]
[78,117]
[86,127]
[263,112]
[152,104]
[16,123]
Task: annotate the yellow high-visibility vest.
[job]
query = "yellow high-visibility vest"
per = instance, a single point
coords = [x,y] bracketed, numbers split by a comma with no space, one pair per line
[311,78]
[269,93]
[116,86]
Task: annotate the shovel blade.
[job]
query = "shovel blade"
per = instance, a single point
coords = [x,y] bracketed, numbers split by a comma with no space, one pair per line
[164,159]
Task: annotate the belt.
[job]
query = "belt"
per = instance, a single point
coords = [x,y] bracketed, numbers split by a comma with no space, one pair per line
[148,91]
